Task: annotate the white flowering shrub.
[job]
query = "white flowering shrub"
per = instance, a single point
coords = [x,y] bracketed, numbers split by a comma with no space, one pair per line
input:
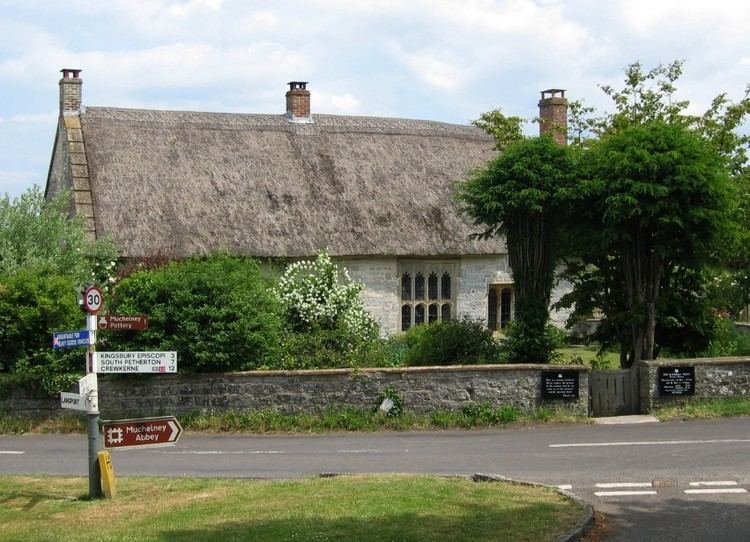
[318,296]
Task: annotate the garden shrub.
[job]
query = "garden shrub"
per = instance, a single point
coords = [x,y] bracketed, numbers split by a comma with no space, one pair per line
[327,324]
[451,342]
[33,304]
[218,313]
[728,341]
[518,344]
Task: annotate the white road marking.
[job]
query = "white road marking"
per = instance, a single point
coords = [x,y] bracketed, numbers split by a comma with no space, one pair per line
[220,452]
[565,486]
[717,483]
[11,452]
[359,451]
[715,491]
[648,443]
[613,485]
[622,493]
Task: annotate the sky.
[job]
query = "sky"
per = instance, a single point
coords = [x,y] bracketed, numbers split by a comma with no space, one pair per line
[444,60]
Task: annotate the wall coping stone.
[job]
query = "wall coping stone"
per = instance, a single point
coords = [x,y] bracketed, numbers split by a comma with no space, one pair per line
[392,370]
[695,361]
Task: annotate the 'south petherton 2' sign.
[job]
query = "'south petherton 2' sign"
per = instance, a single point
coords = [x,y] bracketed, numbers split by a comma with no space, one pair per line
[141,432]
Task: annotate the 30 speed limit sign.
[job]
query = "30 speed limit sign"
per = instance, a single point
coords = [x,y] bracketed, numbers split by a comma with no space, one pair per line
[92,300]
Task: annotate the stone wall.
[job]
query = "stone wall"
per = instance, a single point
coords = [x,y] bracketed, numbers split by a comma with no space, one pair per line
[424,389]
[380,296]
[714,378]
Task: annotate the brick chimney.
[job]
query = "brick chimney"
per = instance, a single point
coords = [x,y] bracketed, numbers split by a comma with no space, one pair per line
[553,115]
[298,101]
[70,91]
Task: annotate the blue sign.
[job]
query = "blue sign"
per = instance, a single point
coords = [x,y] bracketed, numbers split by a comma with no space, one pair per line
[70,339]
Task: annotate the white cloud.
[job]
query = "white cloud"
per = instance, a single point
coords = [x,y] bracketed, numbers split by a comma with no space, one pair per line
[344,103]
[34,118]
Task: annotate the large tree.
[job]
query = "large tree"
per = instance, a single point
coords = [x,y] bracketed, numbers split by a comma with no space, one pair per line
[658,197]
[521,195]
[598,265]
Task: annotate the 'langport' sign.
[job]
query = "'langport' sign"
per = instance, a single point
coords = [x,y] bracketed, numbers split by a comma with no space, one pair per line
[136,362]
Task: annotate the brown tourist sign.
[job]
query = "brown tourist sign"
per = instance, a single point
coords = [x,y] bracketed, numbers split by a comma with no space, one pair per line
[141,432]
[116,322]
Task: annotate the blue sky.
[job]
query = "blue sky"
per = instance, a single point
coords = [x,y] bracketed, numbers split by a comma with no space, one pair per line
[446,60]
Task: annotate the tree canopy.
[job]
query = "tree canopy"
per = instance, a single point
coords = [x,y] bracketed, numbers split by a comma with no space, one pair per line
[522,195]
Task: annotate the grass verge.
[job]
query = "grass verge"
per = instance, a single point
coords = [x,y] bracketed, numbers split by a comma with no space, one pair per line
[481,415]
[704,409]
[363,508]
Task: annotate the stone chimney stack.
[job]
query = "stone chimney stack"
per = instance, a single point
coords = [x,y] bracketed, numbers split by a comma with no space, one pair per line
[553,115]
[298,100]
[70,91]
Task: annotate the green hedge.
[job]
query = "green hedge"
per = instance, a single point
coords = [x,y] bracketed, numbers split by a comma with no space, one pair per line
[218,314]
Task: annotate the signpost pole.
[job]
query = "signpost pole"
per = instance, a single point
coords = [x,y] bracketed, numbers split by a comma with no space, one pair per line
[95,485]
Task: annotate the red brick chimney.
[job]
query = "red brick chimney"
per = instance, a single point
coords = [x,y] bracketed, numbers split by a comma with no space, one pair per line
[298,100]
[553,115]
[70,91]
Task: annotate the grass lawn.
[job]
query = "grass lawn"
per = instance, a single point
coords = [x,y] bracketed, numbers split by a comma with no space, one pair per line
[704,408]
[588,355]
[352,508]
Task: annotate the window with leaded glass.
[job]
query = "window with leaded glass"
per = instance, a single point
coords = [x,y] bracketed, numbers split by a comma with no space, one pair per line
[419,286]
[432,286]
[406,287]
[405,317]
[446,286]
[445,312]
[426,291]
[432,313]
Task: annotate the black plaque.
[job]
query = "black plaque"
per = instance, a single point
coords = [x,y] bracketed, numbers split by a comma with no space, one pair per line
[676,381]
[560,384]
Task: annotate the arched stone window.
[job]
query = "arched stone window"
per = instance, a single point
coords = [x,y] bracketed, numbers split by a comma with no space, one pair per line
[500,306]
[419,314]
[419,286]
[445,312]
[426,281]
[432,313]
[406,287]
[446,286]
[405,317]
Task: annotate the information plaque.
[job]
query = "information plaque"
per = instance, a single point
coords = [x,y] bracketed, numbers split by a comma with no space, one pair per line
[676,381]
[560,384]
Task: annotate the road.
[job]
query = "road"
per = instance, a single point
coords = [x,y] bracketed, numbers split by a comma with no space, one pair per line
[668,481]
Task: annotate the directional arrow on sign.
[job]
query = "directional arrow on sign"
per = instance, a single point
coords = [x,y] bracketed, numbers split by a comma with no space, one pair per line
[141,432]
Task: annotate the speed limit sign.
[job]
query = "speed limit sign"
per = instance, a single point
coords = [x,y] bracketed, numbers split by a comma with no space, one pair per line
[92,300]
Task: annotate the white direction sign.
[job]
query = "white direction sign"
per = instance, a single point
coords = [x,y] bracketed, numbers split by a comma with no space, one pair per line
[73,401]
[87,384]
[136,362]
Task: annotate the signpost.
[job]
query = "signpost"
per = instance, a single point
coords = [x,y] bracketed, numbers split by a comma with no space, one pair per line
[116,322]
[74,401]
[92,299]
[118,433]
[163,431]
[136,362]
[70,339]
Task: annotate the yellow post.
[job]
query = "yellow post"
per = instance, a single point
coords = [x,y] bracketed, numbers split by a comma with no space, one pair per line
[109,485]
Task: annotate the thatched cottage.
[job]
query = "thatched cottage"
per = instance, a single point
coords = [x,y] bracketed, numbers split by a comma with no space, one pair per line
[375,192]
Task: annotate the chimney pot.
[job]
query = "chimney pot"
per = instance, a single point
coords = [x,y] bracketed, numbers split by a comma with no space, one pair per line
[553,114]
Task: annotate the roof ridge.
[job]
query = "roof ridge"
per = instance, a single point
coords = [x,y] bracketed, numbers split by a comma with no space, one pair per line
[339,123]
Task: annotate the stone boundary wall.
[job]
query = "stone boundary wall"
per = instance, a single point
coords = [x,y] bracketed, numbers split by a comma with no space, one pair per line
[424,389]
[714,378]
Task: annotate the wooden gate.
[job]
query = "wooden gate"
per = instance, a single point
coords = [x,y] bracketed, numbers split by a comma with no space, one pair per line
[614,393]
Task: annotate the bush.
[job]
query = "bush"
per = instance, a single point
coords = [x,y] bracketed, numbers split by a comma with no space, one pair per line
[520,346]
[33,304]
[728,341]
[218,313]
[452,342]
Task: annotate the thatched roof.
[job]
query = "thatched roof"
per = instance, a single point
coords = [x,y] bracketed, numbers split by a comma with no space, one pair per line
[185,183]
